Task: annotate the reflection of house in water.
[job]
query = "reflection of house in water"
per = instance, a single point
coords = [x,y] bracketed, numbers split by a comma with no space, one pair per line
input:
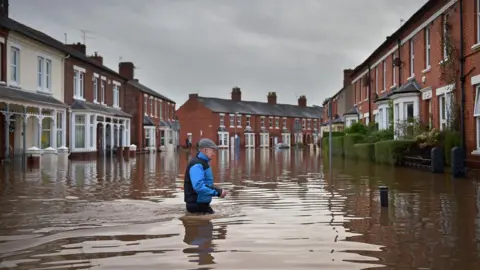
[249,161]
[264,160]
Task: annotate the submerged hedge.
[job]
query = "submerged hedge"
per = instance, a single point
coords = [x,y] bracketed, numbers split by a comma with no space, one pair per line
[365,151]
[391,152]
[348,144]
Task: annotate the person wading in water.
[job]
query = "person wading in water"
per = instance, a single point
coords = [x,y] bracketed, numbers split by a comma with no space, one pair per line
[198,188]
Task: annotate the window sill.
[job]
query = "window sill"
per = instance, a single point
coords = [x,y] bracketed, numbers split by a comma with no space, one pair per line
[393,86]
[476,152]
[383,90]
[15,85]
[475,47]
[96,102]
[79,98]
[426,70]
[411,77]
[44,92]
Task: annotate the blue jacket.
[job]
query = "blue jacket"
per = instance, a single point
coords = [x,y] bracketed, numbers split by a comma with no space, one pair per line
[198,182]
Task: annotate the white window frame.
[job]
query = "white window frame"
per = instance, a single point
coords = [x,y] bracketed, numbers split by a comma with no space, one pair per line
[77,144]
[428,47]
[270,122]
[151,106]
[40,72]
[250,140]
[284,123]
[91,131]
[78,83]
[59,123]
[444,101]
[222,120]
[116,94]
[396,112]
[155,107]
[161,111]
[95,88]
[223,139]
[309,124]
[248,120]
[145,104]
[286,138]
[262,122]
[277,122]
[394,70]
[384,64]
[15,65]
[476,115]
[239,120]
[103,84]
[264,139]
[376,79]
[304,122]
[405,111]
[44,74]
[412,57]
[232,120]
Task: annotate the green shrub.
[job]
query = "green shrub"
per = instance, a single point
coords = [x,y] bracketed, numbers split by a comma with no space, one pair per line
[357,128]
[391,152]
[349,141]
[380,135]
[365,151]
[337,145]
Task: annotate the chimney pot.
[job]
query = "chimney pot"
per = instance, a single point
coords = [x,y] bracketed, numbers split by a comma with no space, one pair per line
[77,46]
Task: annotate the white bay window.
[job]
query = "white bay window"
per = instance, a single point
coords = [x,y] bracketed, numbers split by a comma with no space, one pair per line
[223,139]
[476,114]
[249,140]
[79,131]
[78,83]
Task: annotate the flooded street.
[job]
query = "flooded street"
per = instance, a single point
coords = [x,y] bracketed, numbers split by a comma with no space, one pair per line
[284,210]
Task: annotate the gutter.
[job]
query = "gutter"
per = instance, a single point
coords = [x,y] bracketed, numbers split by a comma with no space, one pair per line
[462,82]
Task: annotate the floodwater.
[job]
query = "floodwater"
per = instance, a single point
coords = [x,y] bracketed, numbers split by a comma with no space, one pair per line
[284,210]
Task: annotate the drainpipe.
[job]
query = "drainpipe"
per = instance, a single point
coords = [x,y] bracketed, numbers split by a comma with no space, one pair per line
[369,98]
[462,82]
[399,41]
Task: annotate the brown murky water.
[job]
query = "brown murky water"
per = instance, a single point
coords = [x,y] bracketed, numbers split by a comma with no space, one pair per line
[284,211]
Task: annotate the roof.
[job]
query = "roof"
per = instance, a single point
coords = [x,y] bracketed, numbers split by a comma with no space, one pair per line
[393,39]
[411,86]
[147,90]
[41,37]
[88,106]
[147,121]
[353,111]
[338,120]
[21,95]
[260,108]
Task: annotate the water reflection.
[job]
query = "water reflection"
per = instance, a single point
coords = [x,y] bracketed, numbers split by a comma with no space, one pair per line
[286,210]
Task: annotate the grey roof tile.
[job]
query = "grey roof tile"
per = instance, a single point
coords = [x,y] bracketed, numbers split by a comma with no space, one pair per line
[148,90]
[260,108]
[147,121]
[88,106]
[353,111]
[411,86]
[21,95]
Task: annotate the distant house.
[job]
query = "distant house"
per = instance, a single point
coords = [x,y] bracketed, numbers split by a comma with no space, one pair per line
[255,124]
[154,125]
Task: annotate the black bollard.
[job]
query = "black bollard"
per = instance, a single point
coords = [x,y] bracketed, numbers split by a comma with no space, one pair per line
[383,196]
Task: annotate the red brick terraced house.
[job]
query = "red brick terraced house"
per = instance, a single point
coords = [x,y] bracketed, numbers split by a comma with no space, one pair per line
[257,124]
[154,125]
[98,123]
[424,68]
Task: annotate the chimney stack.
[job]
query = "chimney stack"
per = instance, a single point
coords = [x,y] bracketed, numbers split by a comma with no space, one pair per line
[272,98]
[302,101]
[97,58]
[236,94]
[4,8]
[126,69]
[78,46]
[346,77]
[193,96]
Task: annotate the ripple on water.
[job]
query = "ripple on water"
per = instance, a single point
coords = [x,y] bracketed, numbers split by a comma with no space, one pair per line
[267,222]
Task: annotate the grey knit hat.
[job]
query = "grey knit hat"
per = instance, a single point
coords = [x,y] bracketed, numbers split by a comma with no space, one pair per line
[206,143]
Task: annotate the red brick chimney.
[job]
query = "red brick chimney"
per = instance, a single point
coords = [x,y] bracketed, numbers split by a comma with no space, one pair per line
[126,69]
[236,94]
[193,96]
[346,77]
[97,58]
[4,8]
[272,98]
[302,101]
[78,46]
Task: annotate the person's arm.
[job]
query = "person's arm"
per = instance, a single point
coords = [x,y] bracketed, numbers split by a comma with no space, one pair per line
[197,176]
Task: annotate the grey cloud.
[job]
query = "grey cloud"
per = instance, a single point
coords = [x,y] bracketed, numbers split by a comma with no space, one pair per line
[183,46]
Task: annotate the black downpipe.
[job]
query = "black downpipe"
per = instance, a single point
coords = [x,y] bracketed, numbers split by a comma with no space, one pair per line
[462,82]
[369,95]
[400,63]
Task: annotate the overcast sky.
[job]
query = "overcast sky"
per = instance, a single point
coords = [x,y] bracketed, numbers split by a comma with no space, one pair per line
[292,47]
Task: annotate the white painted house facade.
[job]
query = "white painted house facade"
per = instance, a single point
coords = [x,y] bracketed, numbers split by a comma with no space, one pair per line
[32,98]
